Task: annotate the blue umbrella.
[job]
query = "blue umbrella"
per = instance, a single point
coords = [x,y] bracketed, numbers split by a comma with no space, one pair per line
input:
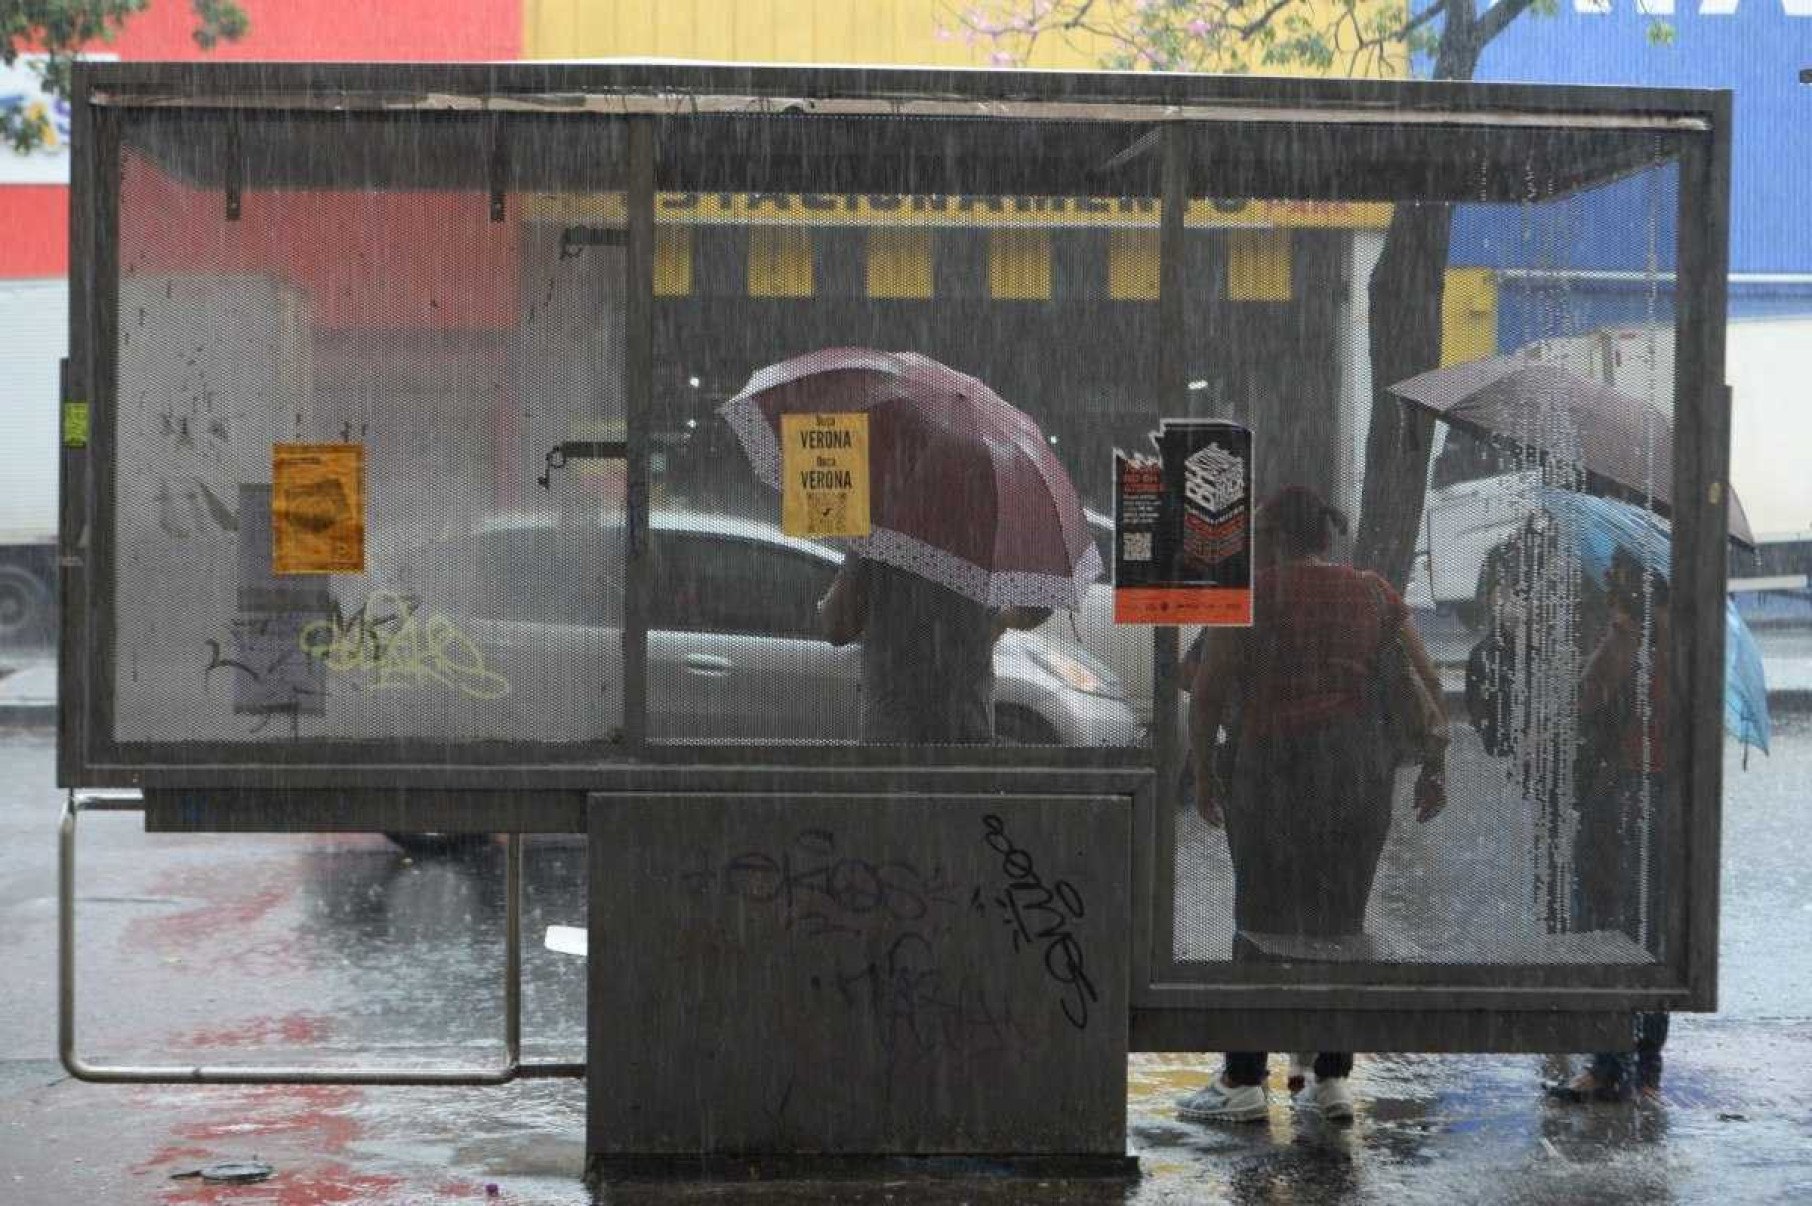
[1601,526]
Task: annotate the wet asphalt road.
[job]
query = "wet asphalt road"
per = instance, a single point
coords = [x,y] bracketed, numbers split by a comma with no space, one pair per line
[204,949]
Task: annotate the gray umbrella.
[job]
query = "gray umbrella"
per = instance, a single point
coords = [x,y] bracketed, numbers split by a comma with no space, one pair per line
[1625,445]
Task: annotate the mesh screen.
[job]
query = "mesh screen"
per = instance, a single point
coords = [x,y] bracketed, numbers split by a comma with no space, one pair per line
[373,292]
[363,296]
[1551,650]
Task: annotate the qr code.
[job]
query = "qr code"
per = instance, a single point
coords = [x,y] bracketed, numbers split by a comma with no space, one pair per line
[1136,546]
[827,512]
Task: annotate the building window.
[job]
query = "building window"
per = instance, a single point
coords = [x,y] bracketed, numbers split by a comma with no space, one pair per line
[1132,265]
[672,261]
[1019,265]
[1258,265]
[899,263]
[780,262]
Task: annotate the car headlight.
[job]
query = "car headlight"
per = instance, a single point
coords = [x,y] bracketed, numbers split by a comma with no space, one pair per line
[1077,671]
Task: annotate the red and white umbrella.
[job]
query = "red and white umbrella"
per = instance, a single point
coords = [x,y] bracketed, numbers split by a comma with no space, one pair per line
[964,489]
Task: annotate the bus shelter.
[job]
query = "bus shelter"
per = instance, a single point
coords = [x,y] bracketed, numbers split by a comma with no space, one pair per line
[402,493]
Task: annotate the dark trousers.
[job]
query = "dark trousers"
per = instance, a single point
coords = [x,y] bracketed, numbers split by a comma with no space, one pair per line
[1249,1067]
[1608,896]
[1622,1070]
[1307,817]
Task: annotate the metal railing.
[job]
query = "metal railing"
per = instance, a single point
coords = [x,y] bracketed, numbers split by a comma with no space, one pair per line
[513,1067]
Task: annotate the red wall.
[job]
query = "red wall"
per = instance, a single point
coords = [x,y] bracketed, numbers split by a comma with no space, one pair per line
[34,219]
[396,30]
[363,260]
[34,230]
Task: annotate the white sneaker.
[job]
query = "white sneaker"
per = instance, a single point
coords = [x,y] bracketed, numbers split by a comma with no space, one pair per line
[1302,1063]
[1219,1101]
[1333,1096]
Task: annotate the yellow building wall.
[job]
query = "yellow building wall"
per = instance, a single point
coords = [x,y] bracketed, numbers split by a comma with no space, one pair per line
[1259,265]
[1468,315]
[893,32]
[886,32]
[920,33]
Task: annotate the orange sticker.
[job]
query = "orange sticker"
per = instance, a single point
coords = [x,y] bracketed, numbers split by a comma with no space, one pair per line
[318,508]
[1213,605]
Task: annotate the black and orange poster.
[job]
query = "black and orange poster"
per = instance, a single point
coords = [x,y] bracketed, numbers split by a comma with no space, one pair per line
[1183,527]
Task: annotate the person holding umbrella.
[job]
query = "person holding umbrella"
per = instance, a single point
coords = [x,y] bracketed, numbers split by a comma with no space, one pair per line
[927,653]
[1542,624]
[1625,552]
[1623,712]
[975,528]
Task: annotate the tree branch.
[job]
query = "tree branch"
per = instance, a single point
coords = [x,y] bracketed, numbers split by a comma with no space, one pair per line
[1424,17]
[1498,16]
[1079,21]
[1263,19]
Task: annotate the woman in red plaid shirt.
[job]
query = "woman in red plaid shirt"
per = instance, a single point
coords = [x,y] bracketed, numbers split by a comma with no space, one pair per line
[1307,801]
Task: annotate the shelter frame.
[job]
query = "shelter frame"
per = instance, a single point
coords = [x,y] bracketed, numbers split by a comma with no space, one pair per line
[1155,126]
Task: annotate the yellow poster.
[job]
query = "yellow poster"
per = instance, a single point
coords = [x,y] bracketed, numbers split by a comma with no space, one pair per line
[318,508]
[824,475]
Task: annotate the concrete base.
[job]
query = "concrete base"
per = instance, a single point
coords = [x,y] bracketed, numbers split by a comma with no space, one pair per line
[870,976]
[821,1168]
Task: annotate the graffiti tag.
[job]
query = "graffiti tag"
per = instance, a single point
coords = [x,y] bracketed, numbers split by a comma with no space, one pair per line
[391,644]
[1040,915]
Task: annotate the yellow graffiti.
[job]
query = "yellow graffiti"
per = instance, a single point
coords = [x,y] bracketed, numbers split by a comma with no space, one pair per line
[393,647]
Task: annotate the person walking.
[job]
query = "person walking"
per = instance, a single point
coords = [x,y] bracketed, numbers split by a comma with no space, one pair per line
[1542,624]
[1622,705]
[927,653]
[1306,803]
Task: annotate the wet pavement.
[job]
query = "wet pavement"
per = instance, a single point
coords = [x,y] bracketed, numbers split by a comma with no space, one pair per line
[342,949]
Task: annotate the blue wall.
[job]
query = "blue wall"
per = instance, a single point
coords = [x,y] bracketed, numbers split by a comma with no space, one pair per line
[1617,227]
[1757,52]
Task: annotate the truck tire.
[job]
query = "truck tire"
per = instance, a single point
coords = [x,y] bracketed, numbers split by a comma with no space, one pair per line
[25,607]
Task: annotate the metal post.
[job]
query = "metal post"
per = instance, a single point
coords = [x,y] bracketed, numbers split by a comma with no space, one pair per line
[1167,752]
[1701,527]
[1173,316]
[512,949]
[638,391]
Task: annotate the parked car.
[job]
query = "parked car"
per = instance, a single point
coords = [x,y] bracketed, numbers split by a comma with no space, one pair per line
[1125,649]
[734,652]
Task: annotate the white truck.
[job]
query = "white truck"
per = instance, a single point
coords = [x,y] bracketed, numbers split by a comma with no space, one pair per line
[1473,503]
[34,333]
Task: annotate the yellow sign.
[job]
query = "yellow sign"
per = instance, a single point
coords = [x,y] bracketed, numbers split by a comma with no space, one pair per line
[75,424]
[824,475]
[888,209]
[318,508]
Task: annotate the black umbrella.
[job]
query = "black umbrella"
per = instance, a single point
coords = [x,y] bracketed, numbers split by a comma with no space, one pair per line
[1625,445]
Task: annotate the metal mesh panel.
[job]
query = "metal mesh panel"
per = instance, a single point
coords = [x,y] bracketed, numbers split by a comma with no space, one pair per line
[1042,289]
[1559,838]
[358,283]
